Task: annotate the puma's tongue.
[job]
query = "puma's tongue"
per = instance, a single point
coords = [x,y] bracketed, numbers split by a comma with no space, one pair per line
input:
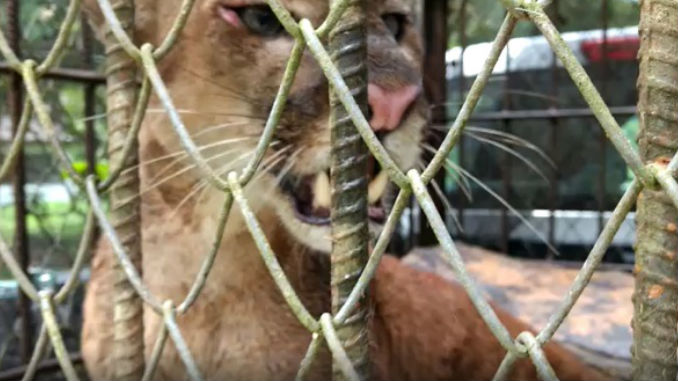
[313,198]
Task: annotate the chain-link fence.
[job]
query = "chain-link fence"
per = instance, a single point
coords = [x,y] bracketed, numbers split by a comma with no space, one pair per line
[37,204]
[655,320]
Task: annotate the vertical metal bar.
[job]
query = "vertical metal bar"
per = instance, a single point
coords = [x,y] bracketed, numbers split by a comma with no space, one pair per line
[602,145]
[463,41]
[435,83]
[553,141]
[506,163]
[553,191]
[15,100]
[128,345]
[435,36]
[655,298]
[415,223]
[418,11]
[350,235]
[89,100]
[90,107]
[414,226]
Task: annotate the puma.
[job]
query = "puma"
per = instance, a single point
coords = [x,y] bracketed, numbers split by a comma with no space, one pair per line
[223,76]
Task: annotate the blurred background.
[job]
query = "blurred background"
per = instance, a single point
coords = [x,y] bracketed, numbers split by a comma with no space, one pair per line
[534,175]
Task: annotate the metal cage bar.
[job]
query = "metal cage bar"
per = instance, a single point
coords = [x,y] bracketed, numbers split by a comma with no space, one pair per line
[125,214]
[655,339]
[21,244]
[348,175]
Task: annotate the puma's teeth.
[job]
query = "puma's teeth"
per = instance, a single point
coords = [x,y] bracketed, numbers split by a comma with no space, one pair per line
[322,191]
[377,187]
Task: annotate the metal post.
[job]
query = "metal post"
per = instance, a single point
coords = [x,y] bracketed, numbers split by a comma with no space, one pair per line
[350,235]
[553,142]
[89,95]
[435,86]
[602,139]
[90,100]
[506,162]
[435,38]
[15,99]
[128,346]
[461,201]
[655,298]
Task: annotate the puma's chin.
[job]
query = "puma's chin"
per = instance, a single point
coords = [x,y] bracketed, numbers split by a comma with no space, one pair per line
[303,205]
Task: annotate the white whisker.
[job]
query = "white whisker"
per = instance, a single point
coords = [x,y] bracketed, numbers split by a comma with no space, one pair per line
[182,153]
[91,117]
[202,112]
[514,140]
[459,178]
[198,186]
[183,170]
[216,127]
[191,166]
[505,203]
[512,152]
[446,203]
[291,160]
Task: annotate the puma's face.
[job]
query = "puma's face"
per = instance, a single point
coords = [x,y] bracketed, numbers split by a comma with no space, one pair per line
[224,75]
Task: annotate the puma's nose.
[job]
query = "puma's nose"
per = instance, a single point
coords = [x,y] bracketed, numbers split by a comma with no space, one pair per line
[389,106]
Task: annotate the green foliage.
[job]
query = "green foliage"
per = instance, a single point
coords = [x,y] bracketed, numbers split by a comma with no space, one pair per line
[71,101]
[40,21]
[81,167]
[482,17]
[54,222]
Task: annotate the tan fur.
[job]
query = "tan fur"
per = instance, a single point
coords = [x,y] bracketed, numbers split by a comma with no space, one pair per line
[240,326]
[429,330]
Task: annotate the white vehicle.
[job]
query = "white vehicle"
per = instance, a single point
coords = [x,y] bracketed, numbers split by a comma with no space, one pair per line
[534,53]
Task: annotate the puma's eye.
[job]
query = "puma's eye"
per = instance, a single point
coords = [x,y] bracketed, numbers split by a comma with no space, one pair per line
[395,22]
[261,20]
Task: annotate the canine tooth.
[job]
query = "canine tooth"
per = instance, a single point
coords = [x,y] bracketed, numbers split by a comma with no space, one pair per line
[322,194]
[377,187]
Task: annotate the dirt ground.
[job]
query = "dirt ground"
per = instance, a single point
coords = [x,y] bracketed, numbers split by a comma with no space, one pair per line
[599,325]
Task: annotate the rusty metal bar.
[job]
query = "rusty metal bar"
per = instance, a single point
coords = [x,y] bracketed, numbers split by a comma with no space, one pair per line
[461,199]
[89,95]
[350,234]
[553,140]
[506,162]
[548,113]
[435,87]
[655,315]
[65,74]
[89,100]
[553,191]
[435,36]
[121,72]
[46,366]
[602,139]
[21,250]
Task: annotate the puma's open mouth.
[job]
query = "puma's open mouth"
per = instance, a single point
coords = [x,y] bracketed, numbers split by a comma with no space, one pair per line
[311,196]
